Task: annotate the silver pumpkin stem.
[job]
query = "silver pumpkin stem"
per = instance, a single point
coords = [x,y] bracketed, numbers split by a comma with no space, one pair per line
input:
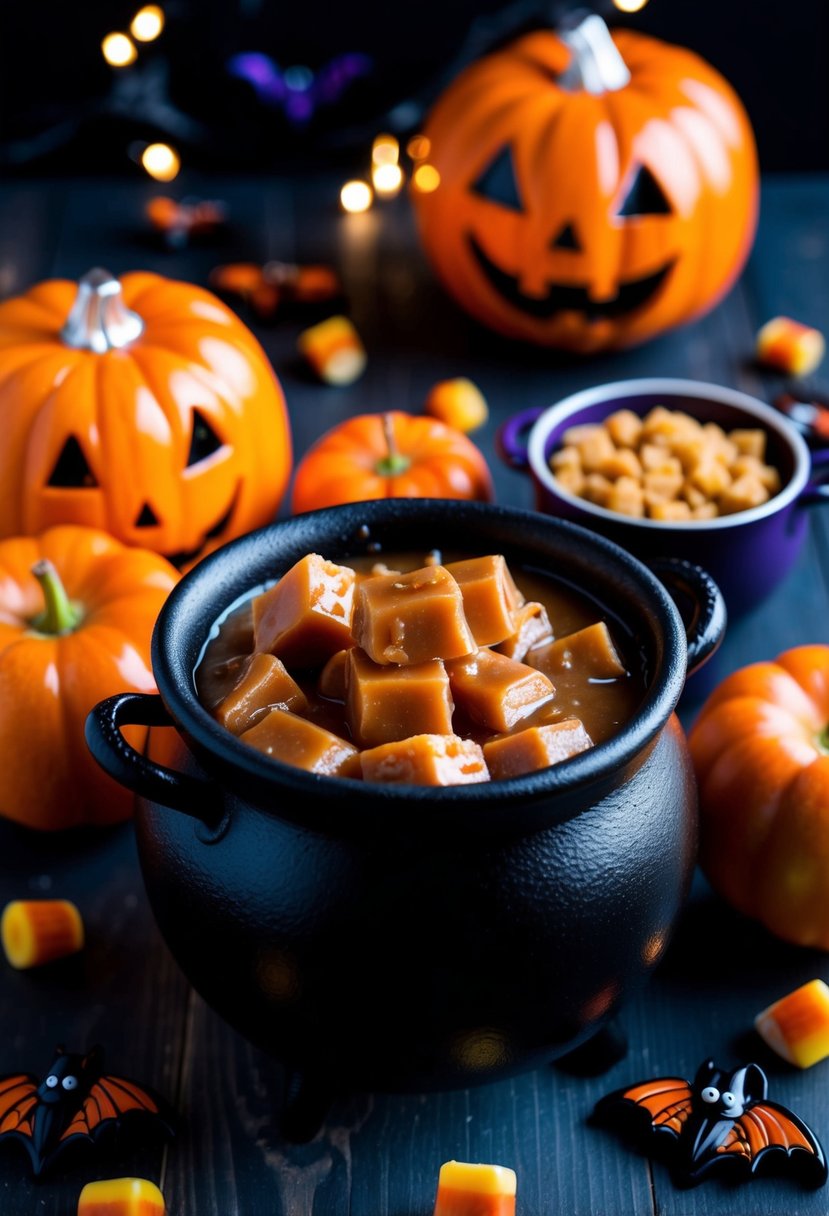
[100,320]
[596,66]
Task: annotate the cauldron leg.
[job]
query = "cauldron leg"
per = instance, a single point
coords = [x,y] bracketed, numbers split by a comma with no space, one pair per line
[304,1108]
[599,1053]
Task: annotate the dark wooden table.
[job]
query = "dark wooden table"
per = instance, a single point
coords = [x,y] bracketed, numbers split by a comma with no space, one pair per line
[379,1155]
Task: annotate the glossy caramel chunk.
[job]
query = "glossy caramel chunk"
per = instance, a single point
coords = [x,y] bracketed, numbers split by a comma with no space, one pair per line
[263,683]
[296,741]
[496,692]
[534,748]
[590,651]
[532,628]
[425,760]
[332,677]
[386,702]
[306,616]
[411,618]
[490,597]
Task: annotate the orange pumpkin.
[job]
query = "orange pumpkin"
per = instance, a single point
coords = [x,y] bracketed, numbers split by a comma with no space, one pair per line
[77,610]
[392,455]
[145,408]
[588,192]
[761,752]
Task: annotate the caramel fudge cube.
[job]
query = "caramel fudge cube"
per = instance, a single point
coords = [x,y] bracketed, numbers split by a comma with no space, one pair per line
[532,628]
[746,492]
[305,617]
[264,683]
[626,497]
[624,428]
[297,741]
[496,692]
[534,748]
[490,597]
[749,442]
[425,760]
[331,683]
[387,702]
[411,618]
[570,479]
[589,650]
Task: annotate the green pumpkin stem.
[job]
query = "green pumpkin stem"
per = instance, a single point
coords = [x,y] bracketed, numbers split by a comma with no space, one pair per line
[393,462]
[59,615]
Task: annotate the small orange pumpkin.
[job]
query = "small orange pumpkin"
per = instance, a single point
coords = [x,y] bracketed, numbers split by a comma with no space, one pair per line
[760,748]
[393,455]
[143,407]
[591,192]
[77,610]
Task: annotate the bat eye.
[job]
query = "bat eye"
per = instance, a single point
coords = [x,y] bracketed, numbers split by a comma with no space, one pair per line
[728,1099]
[710,1094]
[70,1082]
[51,1082]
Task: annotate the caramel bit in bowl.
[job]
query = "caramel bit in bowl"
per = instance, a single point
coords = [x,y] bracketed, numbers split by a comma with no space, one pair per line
[442,675]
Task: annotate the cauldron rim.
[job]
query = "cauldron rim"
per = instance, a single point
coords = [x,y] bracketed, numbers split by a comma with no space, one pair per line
[229,574]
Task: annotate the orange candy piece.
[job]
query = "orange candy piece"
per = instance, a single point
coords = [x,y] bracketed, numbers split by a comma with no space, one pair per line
[121,1197]
[466,1189]
[789,346]
[333,350]
[797,1026]
[38,931]
[458,403]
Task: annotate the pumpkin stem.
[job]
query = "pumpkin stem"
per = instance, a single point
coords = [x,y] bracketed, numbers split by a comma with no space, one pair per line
[823,740]
[99,319]
[596,65]
[60,615]
[393,462]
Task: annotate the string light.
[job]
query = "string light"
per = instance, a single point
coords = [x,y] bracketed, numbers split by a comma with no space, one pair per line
[385,150]
[418,147]
[147,23]
[119,50]
[630,6]
[426,178]
[161,162]
[356,196]
[387,179]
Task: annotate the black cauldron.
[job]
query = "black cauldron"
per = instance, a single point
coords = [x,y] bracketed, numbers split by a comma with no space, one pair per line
[405,937]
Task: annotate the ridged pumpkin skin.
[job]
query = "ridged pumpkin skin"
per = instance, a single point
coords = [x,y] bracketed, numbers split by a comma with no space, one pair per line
[761,756]
[549,267]
[130,411]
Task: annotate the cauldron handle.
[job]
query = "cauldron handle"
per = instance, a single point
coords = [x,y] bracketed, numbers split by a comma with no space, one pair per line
[138,773]
[691,585]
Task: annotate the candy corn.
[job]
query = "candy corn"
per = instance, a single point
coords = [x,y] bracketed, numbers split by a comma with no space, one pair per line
[334,350]
[790,346]
[37,931]
[475,1190]
[797,1026]
[458,403]
[121,1197]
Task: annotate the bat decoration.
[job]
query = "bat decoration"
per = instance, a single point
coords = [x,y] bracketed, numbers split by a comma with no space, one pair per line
[298,91]
[75,1101]
[722,1123]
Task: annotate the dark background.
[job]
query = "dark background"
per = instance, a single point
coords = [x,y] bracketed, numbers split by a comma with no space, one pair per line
[62,108]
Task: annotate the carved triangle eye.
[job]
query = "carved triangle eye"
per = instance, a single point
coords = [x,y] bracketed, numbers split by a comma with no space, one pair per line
[645,196]
[498,182]
[72,469]
[204,440]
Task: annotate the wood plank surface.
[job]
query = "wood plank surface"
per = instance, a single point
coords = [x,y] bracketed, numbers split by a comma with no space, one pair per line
[379,1155]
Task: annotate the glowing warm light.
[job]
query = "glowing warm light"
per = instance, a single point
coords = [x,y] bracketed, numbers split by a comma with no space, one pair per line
[147,23]
[119,50]
[356,196]
[385,150]
[387,179]
[426,178]
[161,162]
[630,6]
[419,147]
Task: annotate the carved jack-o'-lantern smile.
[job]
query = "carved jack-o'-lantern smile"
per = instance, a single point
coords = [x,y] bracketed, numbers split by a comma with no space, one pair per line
[643,197]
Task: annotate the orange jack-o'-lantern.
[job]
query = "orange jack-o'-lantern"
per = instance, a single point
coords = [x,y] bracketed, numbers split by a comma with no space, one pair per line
[588,191]
[142,407]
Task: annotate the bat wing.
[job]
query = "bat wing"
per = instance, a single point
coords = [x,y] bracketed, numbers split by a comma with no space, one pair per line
[767,1128]
[663,1105]
[110,1101]
[18,1102]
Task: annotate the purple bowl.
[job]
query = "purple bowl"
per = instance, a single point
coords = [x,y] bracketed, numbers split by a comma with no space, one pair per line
[747,553]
